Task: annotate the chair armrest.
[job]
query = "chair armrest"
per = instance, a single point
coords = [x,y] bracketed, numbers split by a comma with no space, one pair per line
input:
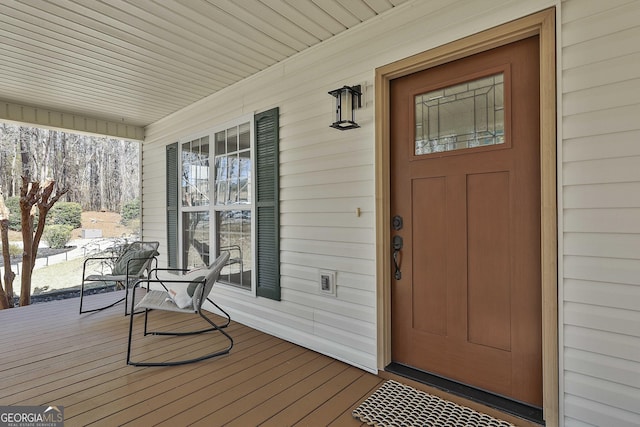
[99,258]
[177,290]
[232,248]
[157,269]
[95,258]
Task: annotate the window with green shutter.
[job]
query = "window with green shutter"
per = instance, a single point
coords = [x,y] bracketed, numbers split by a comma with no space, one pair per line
[204,216]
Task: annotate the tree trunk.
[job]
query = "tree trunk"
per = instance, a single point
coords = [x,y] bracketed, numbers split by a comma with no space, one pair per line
[33,195]
[6,290]
[101,178]
[14,161]
[44,202]
[46,154]
[26,220]
[25,139]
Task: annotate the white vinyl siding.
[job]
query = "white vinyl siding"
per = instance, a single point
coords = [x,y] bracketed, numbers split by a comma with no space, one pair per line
[327,174]
[601,212]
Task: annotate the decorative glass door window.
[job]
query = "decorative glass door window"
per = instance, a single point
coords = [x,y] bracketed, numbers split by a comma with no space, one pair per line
[461,116]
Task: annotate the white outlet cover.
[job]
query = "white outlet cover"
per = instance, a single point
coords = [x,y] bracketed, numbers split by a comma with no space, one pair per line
[327,282]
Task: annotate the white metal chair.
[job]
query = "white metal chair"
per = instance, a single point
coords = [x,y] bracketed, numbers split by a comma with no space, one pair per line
[185,294]
[132,264]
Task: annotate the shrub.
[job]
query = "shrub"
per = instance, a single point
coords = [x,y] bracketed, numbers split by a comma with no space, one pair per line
[134,225]
[14,250]
[57,235]
[130,211]
[65,213]
[13,204]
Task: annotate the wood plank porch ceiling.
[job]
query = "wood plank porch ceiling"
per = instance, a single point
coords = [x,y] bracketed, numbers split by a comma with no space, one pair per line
[137,61]
[53,356]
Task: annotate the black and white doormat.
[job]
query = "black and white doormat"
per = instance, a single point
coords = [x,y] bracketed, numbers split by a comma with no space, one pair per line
[398,405]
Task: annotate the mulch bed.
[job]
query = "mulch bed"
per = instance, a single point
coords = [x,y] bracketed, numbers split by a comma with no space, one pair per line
[58,294]
[42,253]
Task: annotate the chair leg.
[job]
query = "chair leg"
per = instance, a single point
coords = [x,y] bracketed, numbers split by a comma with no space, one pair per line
[214,327]
[129,362]
[226,315]
[125,298]
[129,339]
[146,322]
[146,314]
[81,295]
[100,308]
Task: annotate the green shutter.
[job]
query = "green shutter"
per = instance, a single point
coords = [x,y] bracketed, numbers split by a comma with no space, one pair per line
[267,211]
[172,205]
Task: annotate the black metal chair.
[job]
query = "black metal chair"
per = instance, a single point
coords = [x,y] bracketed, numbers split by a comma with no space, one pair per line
[132,264]
[181,293]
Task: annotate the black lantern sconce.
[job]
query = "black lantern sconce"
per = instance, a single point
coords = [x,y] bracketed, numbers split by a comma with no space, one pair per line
[348,98]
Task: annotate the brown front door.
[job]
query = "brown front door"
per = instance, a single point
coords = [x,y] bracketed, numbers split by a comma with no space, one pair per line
[465,179]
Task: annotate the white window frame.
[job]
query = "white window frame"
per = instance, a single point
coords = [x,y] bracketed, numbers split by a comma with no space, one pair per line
[211,207]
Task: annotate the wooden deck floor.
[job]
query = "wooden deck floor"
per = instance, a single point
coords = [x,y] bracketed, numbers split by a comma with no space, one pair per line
[50,355]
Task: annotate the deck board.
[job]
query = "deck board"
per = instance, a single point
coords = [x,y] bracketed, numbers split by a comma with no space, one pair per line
[340,401]
[58,357]
[279,402]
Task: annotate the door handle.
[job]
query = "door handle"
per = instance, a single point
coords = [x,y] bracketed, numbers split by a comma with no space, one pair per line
[397,246]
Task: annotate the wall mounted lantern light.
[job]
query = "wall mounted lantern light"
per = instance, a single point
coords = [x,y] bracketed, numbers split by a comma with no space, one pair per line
[348,98]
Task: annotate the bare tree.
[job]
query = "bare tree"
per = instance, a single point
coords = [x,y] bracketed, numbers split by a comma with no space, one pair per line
[6,290]
[25,150]
[33,196]
[101,173]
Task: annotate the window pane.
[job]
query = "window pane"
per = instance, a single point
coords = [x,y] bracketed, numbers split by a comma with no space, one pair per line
[234,174]
[466,115]
[232,139]
[234,235]
[195,239]
[244,191]
[195,172]
[233,166]
[245,136]
[222,182]
[221,140]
